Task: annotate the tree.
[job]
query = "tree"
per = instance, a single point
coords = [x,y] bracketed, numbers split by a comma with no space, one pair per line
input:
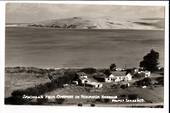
[144,82]
[113,67]
[150,61]
[107,72]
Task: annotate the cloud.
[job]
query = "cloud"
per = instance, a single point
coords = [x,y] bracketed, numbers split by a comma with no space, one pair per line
[32,12]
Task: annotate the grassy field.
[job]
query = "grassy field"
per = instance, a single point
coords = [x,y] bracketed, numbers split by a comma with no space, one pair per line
[154,95]
[15,81]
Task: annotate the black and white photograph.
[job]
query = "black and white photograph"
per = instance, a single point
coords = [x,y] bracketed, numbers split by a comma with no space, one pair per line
[84,55]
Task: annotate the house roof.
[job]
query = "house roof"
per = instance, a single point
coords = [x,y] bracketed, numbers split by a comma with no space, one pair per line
[93,83]
[119,73]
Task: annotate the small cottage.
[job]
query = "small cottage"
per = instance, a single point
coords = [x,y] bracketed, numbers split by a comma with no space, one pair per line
[82,75]
[94,84]
[144,73]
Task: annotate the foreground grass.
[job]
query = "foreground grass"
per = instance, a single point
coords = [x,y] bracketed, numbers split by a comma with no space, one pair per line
[43,86]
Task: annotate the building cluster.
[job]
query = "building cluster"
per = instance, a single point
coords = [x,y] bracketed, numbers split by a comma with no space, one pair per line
[118,76]
[84,80]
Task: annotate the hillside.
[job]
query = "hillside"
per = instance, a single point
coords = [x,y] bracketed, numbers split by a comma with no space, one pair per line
[102,23]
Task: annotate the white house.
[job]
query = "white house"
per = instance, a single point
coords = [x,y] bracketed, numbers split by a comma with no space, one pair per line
[128,77]
[84,80]
[88,82]
[145,73]
[121,76]
[94,84]
[110,78]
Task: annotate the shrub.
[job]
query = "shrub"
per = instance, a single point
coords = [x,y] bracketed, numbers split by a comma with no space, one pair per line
[17,100]
[122,96]
[160,80]
[107,72]
[59,101]
[144,82]
[132,96]
[124,86]
[98,100]
[106,100]
[41,101]
[92,105]
[80,104]
[17,93]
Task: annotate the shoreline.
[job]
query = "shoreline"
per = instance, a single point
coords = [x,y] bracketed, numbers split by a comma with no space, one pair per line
[57,68]
[62,29]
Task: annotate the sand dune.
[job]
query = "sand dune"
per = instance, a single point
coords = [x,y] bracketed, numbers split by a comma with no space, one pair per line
[103,23]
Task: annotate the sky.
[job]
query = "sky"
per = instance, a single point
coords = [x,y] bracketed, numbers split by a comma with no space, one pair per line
[35,12]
